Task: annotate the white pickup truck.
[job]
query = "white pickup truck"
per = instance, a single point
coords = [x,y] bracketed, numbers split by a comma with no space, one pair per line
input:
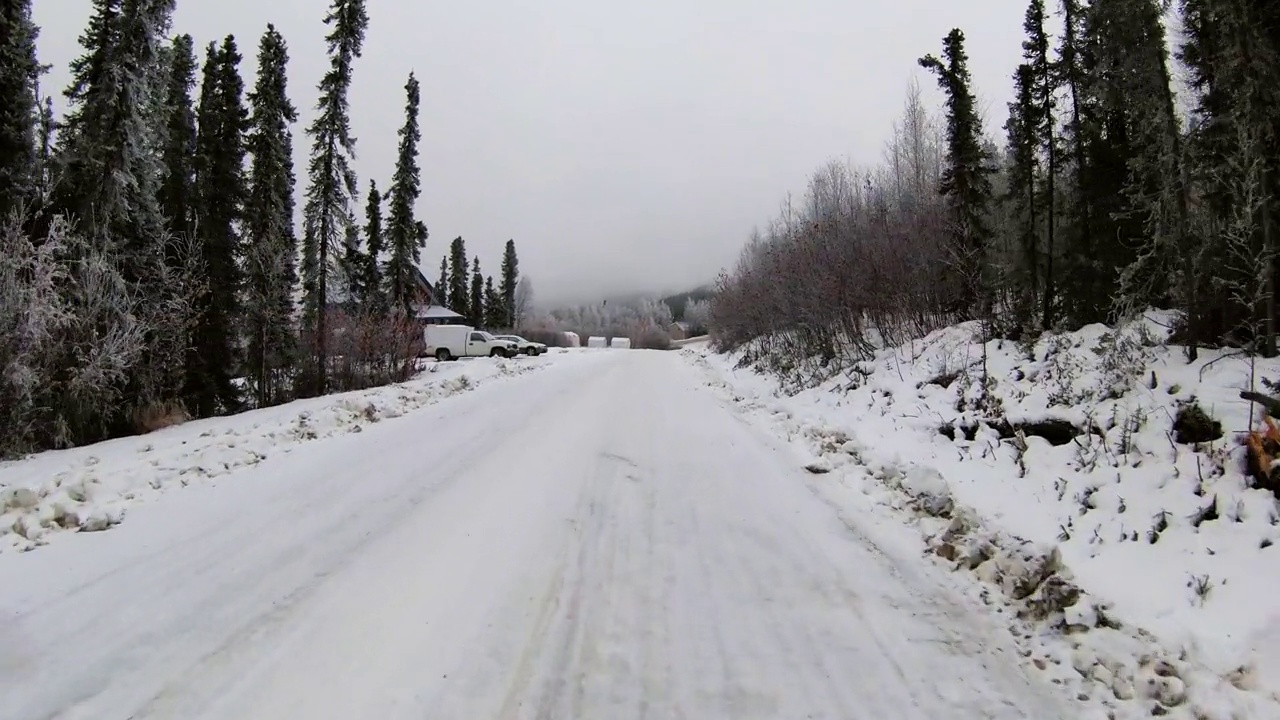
[449,342]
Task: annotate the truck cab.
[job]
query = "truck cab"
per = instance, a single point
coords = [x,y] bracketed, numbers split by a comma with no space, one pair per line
[450,342]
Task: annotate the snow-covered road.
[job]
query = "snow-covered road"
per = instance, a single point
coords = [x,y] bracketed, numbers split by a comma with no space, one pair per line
[603,539]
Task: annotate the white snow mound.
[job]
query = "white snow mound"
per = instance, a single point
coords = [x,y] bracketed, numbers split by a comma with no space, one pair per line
[89,489]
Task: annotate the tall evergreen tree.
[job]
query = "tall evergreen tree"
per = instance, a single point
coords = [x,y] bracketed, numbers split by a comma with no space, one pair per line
[1035,150]
[405,235]
[177,187]
[1046,82]
[476,302]
[1084,288]
[90,106]
[108,164]
[459,301]
[1141,143]
[44,149]
[375,291]
[109,175]
[270,243]
[494,309]
[220,199]
[354,263]
[966,181]
[507,284]
[442,285]
[333,182]
[1232,53]
[18,109]
[1023,195]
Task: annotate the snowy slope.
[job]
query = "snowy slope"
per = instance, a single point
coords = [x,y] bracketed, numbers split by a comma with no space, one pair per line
[1121,511]
[601,539]
[92,488]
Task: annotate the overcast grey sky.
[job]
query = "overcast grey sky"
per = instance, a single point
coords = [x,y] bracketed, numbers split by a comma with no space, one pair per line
[624,146]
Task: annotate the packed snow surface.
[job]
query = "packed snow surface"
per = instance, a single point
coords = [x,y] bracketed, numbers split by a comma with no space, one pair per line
[605,538]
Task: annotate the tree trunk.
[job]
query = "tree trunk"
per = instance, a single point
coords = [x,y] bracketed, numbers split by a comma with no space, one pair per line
[1269,339]
[1047,314]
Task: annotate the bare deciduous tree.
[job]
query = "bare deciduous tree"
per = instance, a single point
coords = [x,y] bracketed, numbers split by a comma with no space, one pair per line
[523,301]
[861,261]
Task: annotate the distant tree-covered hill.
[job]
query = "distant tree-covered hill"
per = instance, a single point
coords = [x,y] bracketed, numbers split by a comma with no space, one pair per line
[678,302]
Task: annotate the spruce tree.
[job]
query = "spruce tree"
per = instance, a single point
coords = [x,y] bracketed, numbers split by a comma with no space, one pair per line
[1022,195]
[109,174]
[476,302]
[333,182]
[108,166]
[1083,290]
[494,309]
[1045,83]
[44,150]
[270,243]
[510,280]
[441,295]
[354,264]
[177,187]
[1141,145]
[459,301]
[966,181]
[1232,53]
[18,109]
[375,291]
[405,235]
[220,198]
[1034,151]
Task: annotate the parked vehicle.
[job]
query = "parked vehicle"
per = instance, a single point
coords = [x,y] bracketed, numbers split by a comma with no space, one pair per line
[528,347]
[449,342]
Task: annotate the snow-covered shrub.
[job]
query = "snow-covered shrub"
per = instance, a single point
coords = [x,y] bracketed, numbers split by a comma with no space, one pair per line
[697,313]
[1122,354]
[612,320]
[1193,425]
[653,338]
[72,336]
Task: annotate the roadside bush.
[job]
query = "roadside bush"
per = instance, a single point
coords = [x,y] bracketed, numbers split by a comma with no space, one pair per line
[854,268]
[550,338]
[368,349]
[651,339]
[71,337]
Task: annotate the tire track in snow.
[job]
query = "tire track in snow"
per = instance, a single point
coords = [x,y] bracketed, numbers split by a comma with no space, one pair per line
[676,566]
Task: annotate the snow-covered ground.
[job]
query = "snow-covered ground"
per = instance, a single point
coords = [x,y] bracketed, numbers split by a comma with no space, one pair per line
[604,538]
[91,489]
[1171,548]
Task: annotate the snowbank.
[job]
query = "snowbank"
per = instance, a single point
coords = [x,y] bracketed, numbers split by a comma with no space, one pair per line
[90,488]
[1062,472]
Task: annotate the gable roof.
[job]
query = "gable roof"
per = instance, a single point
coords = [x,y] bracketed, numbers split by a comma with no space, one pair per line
[425,286]
[430,312]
